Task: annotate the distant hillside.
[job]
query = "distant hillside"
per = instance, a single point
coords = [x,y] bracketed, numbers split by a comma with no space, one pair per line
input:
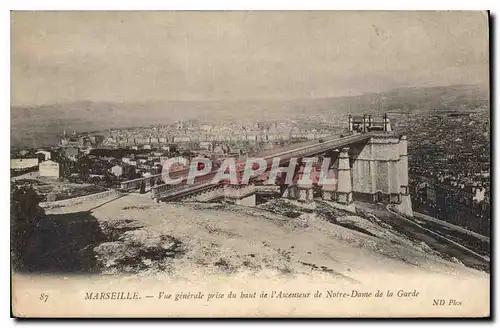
[38,126]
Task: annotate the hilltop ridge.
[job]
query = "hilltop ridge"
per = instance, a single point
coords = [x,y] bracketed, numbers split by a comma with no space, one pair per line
[35,126]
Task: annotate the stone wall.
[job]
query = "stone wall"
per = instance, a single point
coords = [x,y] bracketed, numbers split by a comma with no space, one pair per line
[77,200]
[206,195]
[246,201]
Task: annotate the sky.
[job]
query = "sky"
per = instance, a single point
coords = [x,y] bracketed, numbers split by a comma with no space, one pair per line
[59,57]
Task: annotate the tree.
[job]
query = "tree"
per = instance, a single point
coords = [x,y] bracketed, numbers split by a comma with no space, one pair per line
[174,149]
[25,215]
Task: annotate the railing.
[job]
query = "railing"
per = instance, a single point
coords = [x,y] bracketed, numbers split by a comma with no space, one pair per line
[136,183]
[312,146]
[271,152]
[166,190]
[298,152]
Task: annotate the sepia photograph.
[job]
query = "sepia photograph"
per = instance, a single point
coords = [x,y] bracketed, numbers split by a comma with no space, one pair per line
[250,164]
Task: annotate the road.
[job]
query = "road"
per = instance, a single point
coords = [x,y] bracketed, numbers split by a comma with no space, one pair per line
[467,238]
[432,235]
[450,226]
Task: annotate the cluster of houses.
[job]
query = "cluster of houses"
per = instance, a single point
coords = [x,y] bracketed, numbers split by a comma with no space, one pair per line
[42,162]
[195,132]
[117,164]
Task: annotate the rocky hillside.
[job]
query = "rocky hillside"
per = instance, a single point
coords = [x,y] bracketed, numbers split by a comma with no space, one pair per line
[284,236]
[134,235]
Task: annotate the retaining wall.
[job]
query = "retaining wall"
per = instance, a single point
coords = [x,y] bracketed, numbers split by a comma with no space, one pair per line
[77,200]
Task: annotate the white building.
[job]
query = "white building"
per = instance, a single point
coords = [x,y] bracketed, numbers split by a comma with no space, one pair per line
[23,163]
[206,145]
[45,153]
[181,139]
[478,194]
[117,170]
[49,169]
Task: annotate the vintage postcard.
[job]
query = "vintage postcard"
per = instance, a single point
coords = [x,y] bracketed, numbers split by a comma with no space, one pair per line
[254,164]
